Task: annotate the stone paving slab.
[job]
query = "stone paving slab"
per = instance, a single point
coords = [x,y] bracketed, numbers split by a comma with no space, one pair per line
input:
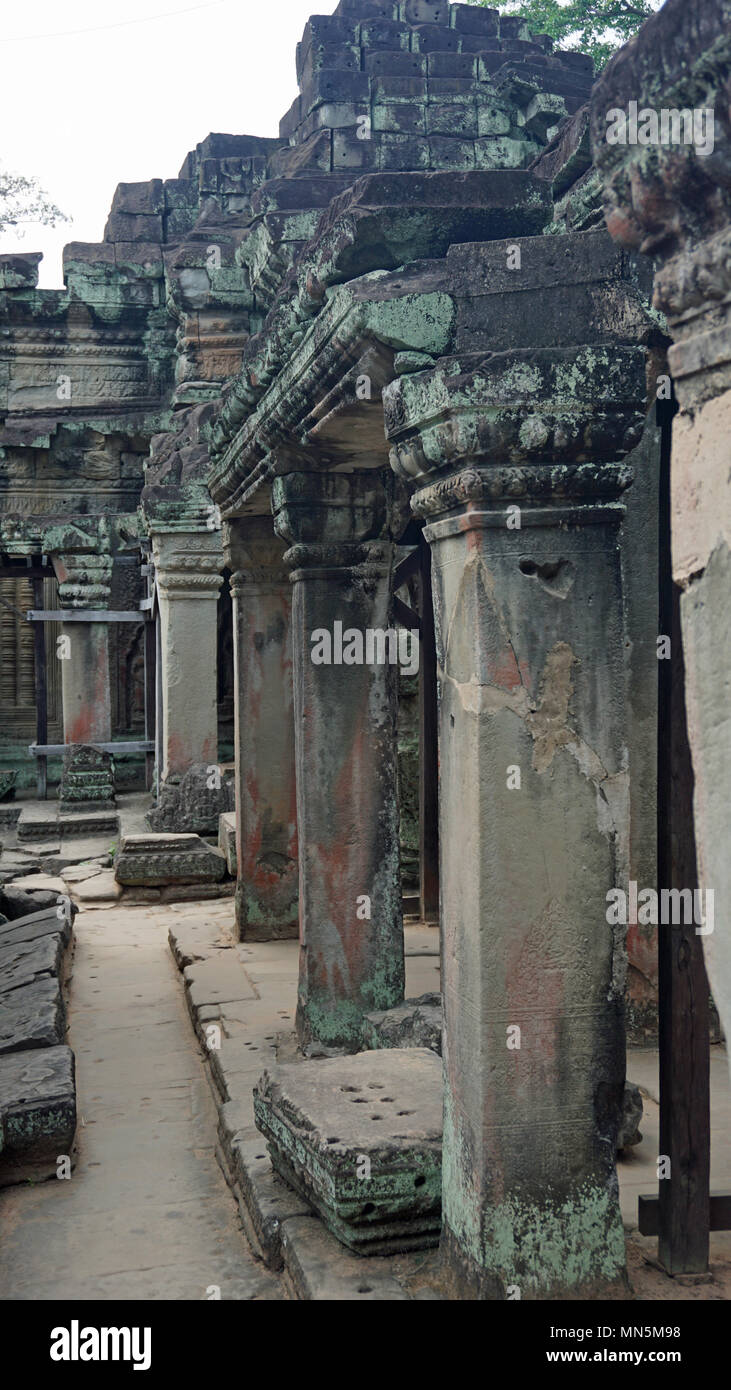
[318,1270]
[37,1112]
[99,888]
[32,1016]
[39,883]
[217,981]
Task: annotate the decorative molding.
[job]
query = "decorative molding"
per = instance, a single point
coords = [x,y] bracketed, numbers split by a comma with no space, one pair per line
[550,483]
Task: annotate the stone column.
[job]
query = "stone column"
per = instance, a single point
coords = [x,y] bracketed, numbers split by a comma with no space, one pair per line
[533,807]
[351,932]
[266,795]
[85,582]
[188,568]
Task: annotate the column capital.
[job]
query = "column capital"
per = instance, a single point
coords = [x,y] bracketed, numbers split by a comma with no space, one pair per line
[188,565]
[84,580]
[254,553]
[339,520]
[544,428]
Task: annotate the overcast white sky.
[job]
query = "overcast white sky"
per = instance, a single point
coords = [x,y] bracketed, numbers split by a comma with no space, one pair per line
[86,111]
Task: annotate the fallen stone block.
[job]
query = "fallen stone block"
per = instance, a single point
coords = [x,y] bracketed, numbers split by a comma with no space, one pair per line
[629,1125]
[24,962]
[415,1023]
[7,785]
[87,782]
[37,1113]
[158,860]
[48,922]
[227,839]
[360,1138]
[32,1016]
[193,805]
[16,902]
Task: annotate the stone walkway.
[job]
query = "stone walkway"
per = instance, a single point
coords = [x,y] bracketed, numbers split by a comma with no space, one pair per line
[146,1213]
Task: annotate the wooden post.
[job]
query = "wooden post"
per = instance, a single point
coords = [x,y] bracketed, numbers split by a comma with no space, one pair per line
[150,697]
[41,674]
[684,1208]
[428,747]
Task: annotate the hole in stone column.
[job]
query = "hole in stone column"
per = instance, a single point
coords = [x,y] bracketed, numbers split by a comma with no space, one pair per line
[334,1141]
[557,577]
[368,1208]
[358,1100]
[419,1182]
[404,1112]
[376,1117]
[364,1288]
[350,1088]
[386,1100]
[375,1085]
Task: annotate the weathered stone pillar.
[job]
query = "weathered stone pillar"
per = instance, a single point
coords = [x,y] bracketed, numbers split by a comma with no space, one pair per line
[266,795]
[85,582]
[351,932]
[188,567]
[670,196]
[533,804]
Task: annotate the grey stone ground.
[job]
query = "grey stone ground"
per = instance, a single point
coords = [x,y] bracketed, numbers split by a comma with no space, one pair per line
[146,1214]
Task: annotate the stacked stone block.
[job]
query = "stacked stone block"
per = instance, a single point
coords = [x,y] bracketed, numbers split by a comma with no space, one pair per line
[424,87]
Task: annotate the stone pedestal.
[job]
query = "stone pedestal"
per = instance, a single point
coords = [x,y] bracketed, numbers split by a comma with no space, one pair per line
[85,583]
[266,798]
[351,928]
[189,568]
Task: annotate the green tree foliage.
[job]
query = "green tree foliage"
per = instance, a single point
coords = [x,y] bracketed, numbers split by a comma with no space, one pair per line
[23,201]
[597,27]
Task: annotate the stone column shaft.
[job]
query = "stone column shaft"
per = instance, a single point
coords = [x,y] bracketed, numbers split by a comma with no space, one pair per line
[533,810]
[85,583]
[266,797]
[351,931]
[188,569]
